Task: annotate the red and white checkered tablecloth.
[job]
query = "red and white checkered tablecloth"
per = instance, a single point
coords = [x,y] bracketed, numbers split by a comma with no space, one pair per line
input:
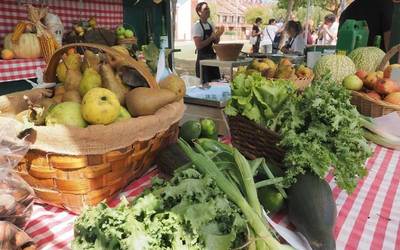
[367,219]
[18,69]
[108,13]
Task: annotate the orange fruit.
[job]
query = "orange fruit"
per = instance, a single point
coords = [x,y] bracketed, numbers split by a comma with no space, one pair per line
[7,54]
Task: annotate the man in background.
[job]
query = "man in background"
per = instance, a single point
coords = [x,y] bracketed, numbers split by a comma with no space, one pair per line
[378,15]
[327,33]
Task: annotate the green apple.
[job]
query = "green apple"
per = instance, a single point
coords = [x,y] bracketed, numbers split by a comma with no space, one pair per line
[100,106]
[120,30]
[353,82]
[128,33]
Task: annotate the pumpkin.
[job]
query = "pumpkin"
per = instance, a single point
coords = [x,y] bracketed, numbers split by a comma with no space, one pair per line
[27,46]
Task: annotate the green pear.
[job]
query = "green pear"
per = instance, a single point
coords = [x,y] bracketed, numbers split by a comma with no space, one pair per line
[66,113]
[90,79]
[123,115]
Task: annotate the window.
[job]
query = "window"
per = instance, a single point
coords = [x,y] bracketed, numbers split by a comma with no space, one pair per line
[224,19]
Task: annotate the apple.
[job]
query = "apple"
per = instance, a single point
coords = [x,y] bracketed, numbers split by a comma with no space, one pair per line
[374,95]
[386,86]
[128,33]
[100,106]
[362,74]
[353,82]
[393,98]
[370,80]
[120,30]
[388,70]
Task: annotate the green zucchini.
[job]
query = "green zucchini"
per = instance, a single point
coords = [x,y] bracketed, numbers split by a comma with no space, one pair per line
[313,211]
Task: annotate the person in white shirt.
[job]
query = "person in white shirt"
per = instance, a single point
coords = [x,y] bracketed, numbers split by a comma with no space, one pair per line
[327,34]
[296,43]
[268,36]
[204,36]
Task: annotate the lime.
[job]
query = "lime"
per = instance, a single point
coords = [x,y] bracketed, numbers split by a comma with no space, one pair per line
[208,129]
[270,198]
[190,130]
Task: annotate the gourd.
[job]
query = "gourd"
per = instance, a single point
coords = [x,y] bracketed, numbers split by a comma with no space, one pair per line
[27,46]
[313,211]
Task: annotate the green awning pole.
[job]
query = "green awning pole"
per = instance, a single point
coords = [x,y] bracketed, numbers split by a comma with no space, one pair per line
[395,36]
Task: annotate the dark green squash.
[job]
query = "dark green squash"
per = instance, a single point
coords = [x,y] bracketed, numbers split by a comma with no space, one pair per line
[313,211]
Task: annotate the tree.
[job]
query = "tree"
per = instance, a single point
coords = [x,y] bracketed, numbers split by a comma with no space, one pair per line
[332,6]
[252,13]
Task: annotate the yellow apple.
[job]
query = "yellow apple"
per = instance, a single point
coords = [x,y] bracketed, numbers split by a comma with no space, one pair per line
[100,106]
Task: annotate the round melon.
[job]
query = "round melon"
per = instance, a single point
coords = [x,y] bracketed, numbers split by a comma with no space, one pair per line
[339,66]
[367,58]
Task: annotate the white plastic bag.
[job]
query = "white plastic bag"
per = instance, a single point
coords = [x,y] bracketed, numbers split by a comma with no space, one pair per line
[16,196]
[162,69]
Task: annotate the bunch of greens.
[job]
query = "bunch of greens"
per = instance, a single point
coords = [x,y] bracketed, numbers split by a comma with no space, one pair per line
[319,129]
[187,212]
[151,54]
[258,99]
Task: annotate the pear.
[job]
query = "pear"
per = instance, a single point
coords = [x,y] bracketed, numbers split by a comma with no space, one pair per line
[90,79]
[72,96]
[90,60]
[111,82]
[61,72]
[73,61]
[123,115]
[175,84]
[285,72]
[145,101]
[73,79]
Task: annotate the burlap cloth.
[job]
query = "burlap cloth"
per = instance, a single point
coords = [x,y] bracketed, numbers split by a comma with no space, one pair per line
[95,139]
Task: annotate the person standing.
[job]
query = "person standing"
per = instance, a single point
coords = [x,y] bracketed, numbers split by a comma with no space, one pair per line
[377,14]
[204,36]
[327,33]
[256,35]
[268,36]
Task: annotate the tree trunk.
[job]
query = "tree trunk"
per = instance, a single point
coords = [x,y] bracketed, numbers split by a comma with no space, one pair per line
[288,15]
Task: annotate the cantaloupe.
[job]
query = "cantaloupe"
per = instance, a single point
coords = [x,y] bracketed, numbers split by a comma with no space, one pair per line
[367,58]
[339,66]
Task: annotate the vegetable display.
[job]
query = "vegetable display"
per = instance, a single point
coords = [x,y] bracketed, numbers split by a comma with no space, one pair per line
[319,129]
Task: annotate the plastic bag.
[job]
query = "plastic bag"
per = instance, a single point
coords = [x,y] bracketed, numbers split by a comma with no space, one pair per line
[16,196]
[12,237]
[162,70]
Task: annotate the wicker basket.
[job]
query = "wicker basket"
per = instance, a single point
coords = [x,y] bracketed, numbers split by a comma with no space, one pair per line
[228,51]
[75,181]
[127,41]
[369,106]
[253,140]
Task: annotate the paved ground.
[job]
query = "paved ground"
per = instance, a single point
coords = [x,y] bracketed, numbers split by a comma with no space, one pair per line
[186,59]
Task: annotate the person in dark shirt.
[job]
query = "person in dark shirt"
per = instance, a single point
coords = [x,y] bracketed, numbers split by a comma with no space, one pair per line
[255,32]
[377,13]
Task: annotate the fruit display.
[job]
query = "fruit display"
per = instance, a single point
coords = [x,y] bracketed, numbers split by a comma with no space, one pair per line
[285,69]
[367,58]
[81,27]
[92,92]
[376,84]
[339,66]
[123,32]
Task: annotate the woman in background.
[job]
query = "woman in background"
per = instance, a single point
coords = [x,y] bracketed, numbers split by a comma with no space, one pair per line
[256,35]
[296,43]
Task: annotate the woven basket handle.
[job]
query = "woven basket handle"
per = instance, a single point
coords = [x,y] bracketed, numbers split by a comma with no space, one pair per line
[392,52]
[119,59]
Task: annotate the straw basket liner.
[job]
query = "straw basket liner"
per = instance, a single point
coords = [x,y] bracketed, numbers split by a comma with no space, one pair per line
[369,106]
[73,167]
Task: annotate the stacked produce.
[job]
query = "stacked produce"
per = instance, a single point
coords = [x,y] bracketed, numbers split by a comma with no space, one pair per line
[376,84]
[123,32]
[94,92]
[285,69]
[209,203]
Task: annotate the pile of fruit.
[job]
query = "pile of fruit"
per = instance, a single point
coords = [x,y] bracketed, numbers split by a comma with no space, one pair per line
[123,32]
[285,69]
[377,84]
[93,91]
[81,27]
